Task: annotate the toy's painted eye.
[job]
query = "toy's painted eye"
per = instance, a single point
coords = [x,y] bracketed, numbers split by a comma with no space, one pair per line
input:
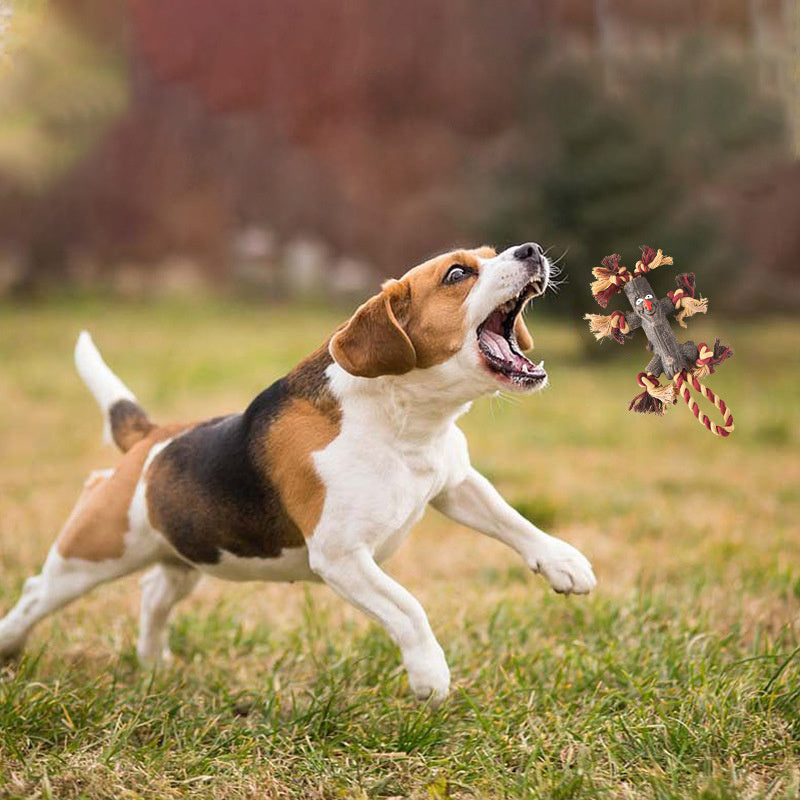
[648,297]
[639,301]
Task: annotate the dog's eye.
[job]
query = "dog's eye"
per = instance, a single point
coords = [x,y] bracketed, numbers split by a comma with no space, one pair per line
[457,273]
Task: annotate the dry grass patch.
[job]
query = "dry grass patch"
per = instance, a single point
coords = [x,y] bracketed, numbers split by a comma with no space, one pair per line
[678,677]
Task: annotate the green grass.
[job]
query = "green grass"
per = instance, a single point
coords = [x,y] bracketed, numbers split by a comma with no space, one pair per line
[678,677]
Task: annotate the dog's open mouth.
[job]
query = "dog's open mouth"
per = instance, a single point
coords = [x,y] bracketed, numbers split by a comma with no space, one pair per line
[497,343]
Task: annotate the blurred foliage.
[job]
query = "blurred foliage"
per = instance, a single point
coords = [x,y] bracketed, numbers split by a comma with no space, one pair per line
[138,136]
[58,90]
[620,169]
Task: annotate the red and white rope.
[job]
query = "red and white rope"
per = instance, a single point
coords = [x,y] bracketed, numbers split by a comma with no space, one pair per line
[682,380]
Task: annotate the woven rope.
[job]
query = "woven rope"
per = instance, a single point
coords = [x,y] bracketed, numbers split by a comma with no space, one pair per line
[682,380]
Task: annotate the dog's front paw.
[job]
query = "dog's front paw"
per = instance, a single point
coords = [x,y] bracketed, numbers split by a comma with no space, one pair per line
[428,675]
[567,569]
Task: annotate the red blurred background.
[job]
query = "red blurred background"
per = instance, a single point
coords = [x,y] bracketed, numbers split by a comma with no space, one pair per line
[149,144]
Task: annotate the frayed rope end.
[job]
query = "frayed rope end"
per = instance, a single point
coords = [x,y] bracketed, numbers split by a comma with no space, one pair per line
[645,403]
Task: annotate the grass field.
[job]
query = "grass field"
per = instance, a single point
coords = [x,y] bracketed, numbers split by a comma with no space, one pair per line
[678,677]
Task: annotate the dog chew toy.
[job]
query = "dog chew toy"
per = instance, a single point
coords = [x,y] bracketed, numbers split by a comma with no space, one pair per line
[682,364]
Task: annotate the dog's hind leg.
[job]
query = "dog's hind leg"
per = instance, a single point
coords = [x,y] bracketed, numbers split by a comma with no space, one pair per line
[162,587]
[61,581]
[16,625]
[92,549]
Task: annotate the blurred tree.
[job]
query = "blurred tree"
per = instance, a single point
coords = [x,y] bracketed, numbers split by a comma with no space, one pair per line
[601,188]
[373,125]
[58,92]
[601,172]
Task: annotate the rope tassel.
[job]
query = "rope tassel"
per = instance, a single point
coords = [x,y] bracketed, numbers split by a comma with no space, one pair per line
[689,306]
[608,325]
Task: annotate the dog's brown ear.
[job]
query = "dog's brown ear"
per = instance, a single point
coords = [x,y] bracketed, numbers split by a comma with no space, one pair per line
[522,334]
[373,342]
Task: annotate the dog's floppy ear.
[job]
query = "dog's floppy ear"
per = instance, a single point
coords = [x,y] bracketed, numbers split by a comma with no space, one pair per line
[522,334]
[373,342]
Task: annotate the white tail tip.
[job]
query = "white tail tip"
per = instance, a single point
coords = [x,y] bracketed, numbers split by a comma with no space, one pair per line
[106,387]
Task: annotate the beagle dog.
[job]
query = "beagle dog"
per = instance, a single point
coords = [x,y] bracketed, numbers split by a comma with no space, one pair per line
[325,472]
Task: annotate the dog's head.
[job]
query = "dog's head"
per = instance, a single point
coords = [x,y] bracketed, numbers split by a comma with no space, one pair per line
[462,309]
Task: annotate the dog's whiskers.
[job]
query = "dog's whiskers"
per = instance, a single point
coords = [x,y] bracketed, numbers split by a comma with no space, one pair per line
[508,398]
[556,281]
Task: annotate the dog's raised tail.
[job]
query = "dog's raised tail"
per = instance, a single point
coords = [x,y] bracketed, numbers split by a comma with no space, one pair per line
[125,421]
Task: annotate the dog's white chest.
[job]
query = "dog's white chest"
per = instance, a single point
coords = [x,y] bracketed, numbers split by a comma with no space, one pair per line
[416,485]
[390,485]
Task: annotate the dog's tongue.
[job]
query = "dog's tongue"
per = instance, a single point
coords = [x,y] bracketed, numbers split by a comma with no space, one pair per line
[500,348]
[497,345]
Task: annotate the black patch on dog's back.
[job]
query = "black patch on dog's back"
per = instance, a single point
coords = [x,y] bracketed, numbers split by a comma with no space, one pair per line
[208,491]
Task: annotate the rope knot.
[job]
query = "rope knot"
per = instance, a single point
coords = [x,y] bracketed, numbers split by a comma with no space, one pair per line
[655,399]
[706,354]
[650,260]
[610,279]
[710,357]
[684,300]
[647,380]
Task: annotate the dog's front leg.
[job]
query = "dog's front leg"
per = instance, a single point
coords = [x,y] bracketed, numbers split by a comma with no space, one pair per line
[476,503]
[358,579]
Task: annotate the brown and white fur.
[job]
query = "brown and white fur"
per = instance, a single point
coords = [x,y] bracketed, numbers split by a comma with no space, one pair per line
[327,470]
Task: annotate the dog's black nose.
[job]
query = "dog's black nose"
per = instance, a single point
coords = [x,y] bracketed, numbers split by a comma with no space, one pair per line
[529,252]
